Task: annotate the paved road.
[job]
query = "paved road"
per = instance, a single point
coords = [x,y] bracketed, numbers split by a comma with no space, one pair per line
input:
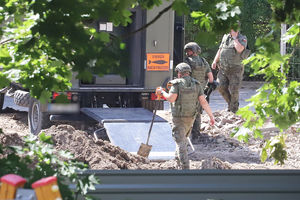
[248,89]
[218,103]
[216,100]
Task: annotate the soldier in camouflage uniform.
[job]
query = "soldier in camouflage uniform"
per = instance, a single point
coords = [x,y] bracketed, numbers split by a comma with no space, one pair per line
[184,97]
[201,72]
[230,54]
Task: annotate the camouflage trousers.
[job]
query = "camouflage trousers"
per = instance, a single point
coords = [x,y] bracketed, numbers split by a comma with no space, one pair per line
[181,128]
[197,125]
[230,80]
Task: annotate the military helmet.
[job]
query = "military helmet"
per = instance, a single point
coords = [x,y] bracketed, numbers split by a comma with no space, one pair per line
[183,67]
[193,46]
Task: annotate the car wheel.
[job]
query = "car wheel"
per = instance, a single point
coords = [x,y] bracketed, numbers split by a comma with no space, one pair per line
[37,120]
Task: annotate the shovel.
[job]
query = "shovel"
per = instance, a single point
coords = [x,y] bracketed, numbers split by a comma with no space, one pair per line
[145,149]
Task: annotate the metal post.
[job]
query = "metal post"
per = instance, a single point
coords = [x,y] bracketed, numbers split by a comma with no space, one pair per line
[282,42]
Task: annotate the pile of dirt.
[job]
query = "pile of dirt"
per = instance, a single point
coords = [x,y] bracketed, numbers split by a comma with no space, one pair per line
[215,149]
[98,154]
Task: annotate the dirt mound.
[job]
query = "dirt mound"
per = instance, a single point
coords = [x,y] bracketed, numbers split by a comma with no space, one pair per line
[12,121]
[12,139]
[97,154]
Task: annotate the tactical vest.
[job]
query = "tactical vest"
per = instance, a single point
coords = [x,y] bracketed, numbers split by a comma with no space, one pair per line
[187,103]
[229,55]
[198,66]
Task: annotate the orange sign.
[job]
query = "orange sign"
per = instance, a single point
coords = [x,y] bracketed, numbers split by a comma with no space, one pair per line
[158,62]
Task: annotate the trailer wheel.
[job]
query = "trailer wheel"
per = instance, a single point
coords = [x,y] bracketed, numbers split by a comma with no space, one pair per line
[1,101]
[22,98]
[37,120]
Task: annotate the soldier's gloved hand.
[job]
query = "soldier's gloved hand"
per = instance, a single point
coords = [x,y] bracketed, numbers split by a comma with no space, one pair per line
[213,85]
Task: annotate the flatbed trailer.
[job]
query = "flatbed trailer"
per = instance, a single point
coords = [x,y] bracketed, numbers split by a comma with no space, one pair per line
[128,128]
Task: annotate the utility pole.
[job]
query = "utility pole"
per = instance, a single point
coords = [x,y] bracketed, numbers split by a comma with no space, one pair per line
[282,42]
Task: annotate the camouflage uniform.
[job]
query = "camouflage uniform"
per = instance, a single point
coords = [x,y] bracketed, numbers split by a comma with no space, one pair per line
[184,110]
[231,70]
[200,69]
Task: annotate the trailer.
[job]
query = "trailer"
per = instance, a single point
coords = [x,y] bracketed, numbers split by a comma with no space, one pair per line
[151,54]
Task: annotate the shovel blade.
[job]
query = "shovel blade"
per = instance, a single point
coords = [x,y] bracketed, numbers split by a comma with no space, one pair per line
[144,150]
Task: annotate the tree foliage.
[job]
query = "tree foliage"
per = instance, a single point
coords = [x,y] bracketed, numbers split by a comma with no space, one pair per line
[42,41]
[39,159]
[254,24]
[278,99]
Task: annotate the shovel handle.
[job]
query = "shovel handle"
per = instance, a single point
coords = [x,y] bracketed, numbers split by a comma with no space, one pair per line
[153,116]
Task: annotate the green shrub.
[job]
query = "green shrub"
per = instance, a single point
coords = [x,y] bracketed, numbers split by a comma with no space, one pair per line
[37,159]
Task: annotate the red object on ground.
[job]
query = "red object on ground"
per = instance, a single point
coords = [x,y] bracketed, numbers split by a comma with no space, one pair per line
[44,181]
[13,179]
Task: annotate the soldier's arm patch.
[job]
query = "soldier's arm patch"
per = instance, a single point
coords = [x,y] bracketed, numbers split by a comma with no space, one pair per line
[243,40]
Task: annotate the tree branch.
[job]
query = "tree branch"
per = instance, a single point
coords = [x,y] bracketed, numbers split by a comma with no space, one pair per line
[6,41]
[151,22]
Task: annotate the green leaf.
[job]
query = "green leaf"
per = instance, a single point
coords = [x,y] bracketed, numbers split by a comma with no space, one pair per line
[85,76]
[45,96]
[242,134]
[197,14]
[257,133]
[264,155]
[3,80]
[104,37]
[45,138]
[205,38]
[92,31]
[180,7]
[122,45]
[4,53]
[62,98]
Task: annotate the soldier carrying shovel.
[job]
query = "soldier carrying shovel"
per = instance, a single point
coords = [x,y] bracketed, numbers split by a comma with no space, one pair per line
[184,96]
